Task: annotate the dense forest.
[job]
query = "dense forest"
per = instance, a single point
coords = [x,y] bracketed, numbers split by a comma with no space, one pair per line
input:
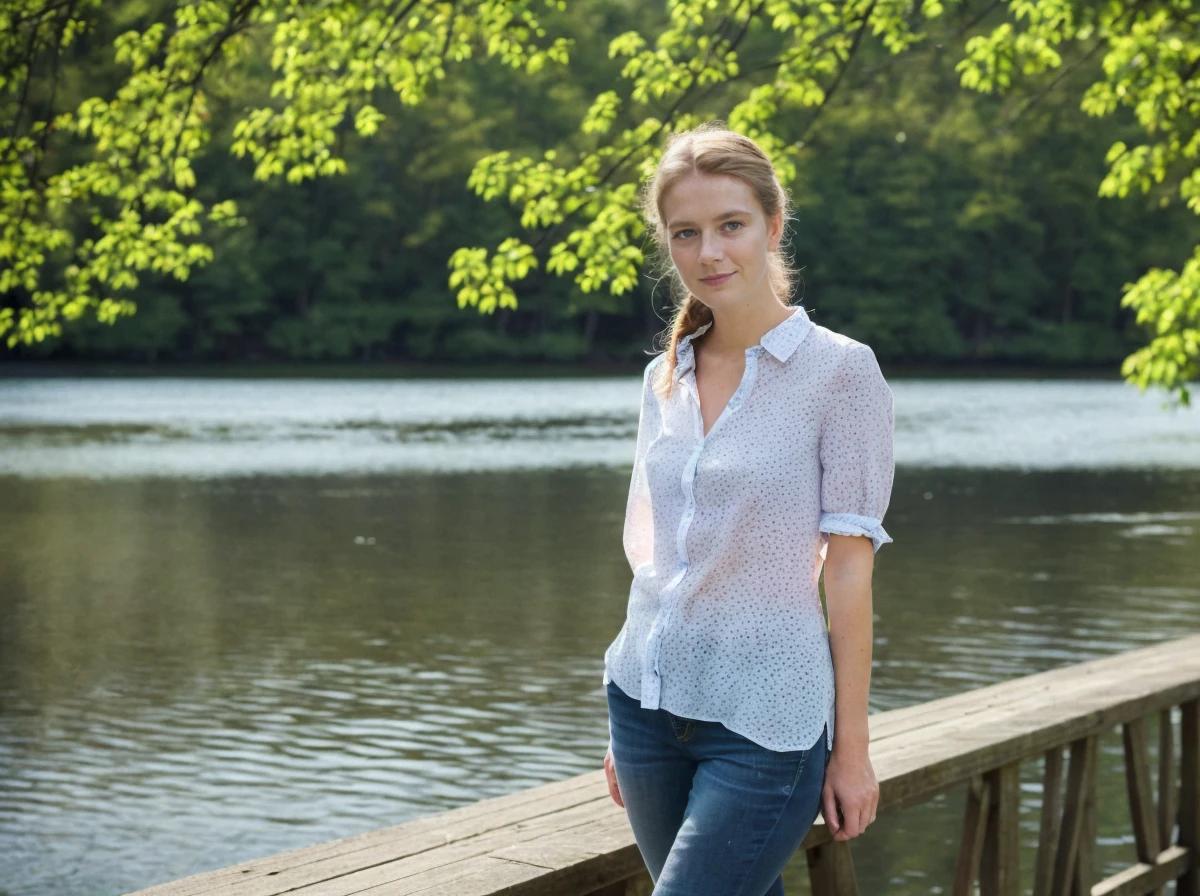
[937,224]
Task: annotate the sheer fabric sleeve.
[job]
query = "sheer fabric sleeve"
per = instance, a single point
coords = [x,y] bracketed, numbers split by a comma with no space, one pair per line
[638,534]
[857,466]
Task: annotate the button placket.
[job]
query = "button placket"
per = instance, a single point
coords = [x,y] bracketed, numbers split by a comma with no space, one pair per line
[652,677]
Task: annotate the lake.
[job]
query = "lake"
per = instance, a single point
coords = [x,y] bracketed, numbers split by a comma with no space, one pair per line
[239,616]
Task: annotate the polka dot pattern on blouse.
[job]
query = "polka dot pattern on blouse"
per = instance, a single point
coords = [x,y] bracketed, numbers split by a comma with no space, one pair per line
[726,534]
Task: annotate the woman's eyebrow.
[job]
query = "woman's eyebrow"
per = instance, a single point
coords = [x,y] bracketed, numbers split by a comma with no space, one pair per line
[736,213]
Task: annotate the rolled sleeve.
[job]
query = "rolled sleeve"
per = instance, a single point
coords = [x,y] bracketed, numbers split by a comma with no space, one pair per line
[856,453]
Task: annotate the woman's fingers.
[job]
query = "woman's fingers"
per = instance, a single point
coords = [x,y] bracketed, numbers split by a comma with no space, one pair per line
[857,816]
[850,816]
[853,825]
[829,808]
[610,772]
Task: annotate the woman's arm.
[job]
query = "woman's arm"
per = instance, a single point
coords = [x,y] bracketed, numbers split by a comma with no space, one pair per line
[850,783]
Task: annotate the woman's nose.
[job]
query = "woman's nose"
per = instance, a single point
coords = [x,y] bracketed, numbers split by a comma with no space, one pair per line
[710,248]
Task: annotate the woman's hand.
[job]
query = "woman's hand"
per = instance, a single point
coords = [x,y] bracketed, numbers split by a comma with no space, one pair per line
[610,772]
[850,786]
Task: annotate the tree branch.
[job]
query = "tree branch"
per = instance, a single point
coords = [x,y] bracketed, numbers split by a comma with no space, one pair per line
[30,59]
[238,19]
[1037,97]
[396,14]
[832,89]
[449,30]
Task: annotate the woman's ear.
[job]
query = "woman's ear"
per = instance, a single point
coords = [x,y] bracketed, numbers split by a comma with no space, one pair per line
[775,231]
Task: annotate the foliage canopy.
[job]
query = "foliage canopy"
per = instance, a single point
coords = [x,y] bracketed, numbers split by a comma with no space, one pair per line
[97,195]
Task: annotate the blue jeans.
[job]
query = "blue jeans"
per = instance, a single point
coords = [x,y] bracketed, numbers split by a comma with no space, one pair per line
[713,813]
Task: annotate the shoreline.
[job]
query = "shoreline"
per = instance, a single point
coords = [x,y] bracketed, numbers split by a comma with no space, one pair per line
[28,369]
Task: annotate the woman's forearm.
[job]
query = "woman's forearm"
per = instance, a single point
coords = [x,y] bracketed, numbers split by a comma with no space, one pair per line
[847,573]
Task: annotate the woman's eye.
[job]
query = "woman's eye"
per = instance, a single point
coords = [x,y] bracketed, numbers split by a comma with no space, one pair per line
[688,232]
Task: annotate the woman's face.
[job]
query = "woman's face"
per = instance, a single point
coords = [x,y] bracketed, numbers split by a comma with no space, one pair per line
[720,239]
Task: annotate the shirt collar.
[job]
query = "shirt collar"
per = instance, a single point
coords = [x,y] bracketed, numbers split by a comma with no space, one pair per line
[781,341]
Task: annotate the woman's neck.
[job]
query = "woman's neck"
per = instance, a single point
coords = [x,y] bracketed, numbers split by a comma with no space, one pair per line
[736,329]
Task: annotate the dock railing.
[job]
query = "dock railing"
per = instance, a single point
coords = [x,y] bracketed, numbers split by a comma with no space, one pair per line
[569,839]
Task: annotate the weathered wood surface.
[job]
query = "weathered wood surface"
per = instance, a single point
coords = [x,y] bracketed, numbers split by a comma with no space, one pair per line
[569,838]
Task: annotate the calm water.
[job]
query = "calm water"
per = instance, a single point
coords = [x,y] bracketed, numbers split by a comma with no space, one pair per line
[238,617]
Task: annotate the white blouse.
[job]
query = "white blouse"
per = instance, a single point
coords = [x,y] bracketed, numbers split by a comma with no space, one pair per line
[726,533]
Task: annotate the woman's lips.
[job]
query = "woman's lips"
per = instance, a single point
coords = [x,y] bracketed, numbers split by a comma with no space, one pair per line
[716,280]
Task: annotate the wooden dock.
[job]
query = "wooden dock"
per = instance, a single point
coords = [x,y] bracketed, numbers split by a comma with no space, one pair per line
[569,839]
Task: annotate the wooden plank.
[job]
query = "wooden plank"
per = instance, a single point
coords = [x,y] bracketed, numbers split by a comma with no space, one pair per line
[906,720]
[913,768]
[561,871]
[1137,785]
[614,856]
[1044,685]
[1081,698]
[1099,690]
[415,874]
[463,868]
[999,869]
[395,861]
[1051,821]
[1144,877]
[831,869]
[1189,796]
[408,838]
[975,816]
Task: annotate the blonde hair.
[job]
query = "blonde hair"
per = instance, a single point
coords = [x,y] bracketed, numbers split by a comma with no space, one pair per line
[710,148]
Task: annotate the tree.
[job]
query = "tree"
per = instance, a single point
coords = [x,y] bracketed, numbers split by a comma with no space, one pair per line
[122,167]
[1151,64]
[768,67]
[694,67]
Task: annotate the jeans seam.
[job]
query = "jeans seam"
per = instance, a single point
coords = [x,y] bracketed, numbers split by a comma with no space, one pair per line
[799,770]
[791,794]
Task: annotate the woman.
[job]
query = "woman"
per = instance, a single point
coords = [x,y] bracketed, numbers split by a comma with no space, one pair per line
[764,455]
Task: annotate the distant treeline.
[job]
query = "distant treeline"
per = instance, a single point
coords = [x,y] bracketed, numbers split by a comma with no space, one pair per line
[935,224]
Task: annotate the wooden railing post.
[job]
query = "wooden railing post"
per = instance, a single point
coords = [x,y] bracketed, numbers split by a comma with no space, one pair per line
[1166,786]
[1166,779]
[970,849]
[1083,874]
[999,864]
[831,869]
[1051,821]
[1146,838]
[1072,834]
[1189,796]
